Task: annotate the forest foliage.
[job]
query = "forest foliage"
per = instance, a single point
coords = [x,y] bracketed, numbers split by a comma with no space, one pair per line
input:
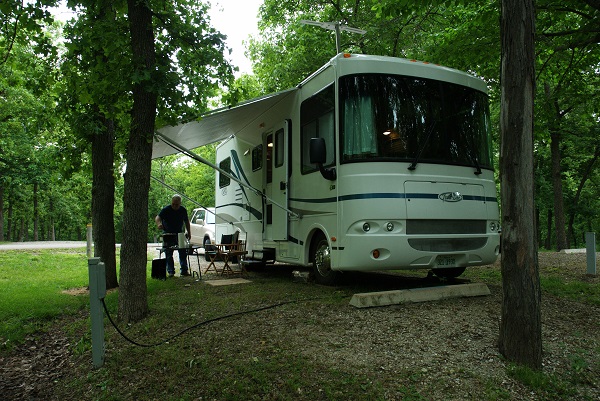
[51,83]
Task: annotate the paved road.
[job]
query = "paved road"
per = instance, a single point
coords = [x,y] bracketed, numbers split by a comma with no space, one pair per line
[61,245]
[51,245]
[42,245]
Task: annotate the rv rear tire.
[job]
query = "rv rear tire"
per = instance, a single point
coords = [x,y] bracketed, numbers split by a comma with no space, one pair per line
[321,259]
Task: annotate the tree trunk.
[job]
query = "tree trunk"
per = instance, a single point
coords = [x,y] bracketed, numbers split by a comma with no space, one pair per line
[36,213]
[520,337]
[586,175]
[9,232]
[538,233]
[548,244]
[51,231]
[1,211]
[22,231]
[103,200]
[133,302]
[559,211]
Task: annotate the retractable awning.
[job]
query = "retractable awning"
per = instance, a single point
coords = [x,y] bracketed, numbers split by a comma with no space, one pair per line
[217,125]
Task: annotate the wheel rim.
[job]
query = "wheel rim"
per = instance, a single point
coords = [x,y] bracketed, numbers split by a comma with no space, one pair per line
[323,258]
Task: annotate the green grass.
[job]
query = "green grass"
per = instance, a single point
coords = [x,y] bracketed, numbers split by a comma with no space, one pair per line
[588,292]
[31,286]
[552,386]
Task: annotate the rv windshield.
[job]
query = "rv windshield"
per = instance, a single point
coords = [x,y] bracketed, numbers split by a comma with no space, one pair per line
[417,120]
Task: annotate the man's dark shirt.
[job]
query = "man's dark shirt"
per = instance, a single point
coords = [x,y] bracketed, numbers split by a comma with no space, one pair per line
[173,220]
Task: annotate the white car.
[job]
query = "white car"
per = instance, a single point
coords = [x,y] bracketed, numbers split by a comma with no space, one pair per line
[202,224]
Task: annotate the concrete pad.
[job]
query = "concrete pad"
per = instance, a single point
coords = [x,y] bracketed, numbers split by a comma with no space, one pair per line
[395,297]
[568,251]
[229,281]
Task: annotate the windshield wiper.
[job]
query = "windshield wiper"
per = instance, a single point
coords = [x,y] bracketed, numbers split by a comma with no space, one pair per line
[413,165]
[477,166]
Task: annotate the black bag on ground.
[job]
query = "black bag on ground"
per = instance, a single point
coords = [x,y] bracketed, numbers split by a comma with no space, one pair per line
[159,269]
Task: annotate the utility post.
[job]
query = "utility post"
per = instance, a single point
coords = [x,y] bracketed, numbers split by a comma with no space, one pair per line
[590,245]
[89,241]
[97,276]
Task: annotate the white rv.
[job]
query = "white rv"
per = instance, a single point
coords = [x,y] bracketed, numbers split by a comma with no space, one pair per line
[371,163]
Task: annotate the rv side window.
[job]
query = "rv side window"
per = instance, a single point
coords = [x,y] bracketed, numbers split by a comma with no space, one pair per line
[269,155]
[279,148]
[257,158]
[223,179]
[317,121]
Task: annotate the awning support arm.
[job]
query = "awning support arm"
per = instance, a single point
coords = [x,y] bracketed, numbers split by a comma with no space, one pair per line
[188,198]
[202,160]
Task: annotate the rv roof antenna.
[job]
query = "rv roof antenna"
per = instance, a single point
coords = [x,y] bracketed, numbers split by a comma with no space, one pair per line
[334,26]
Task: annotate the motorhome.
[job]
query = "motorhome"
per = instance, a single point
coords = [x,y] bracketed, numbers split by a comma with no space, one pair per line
[370,163]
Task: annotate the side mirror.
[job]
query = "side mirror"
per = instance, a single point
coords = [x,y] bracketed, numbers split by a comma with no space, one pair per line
[318,151]
[318,156]
[200,222]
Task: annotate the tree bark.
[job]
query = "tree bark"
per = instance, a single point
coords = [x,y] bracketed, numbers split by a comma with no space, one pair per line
[36,213]
[1,211]
[103,200]
[520,337]
[133,303]
[11,229]
[586,175]
[555,140]
[548,243]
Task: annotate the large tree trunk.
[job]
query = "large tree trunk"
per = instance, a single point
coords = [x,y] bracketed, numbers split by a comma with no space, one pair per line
[133,302]
[103,200]
[559,210]
[1,211]
[520,337]
[554,124]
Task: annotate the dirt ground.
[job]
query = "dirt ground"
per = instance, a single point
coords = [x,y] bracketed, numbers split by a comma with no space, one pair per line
[454,345]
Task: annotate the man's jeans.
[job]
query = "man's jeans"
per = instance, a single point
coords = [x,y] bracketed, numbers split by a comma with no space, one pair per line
[171,262]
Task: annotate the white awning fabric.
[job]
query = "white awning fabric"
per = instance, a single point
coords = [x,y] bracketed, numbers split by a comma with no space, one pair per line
[217,125]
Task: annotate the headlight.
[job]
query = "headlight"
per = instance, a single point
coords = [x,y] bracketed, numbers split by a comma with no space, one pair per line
[366,227]
[389,226]
[494,226]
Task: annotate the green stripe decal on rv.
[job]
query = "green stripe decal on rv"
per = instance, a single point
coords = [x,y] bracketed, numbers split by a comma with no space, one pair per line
[387,195]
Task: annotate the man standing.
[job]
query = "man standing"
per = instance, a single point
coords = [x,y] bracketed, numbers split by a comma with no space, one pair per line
[171,220]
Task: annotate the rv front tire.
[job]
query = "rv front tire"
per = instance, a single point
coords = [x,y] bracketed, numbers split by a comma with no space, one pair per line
[322,262]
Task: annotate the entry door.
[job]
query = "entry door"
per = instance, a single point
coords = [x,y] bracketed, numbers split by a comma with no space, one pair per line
[279,193]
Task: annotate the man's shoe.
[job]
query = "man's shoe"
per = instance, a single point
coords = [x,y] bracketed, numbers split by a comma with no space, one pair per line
[171,275]
[185,274]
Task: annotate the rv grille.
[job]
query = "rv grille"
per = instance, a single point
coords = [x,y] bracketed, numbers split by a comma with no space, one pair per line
[447,244]
[445,226]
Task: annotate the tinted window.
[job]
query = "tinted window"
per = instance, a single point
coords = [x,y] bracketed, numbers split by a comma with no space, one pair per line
[387,117]
[269,157]
[257,158]
[317,120]
[226,166]
[279,148]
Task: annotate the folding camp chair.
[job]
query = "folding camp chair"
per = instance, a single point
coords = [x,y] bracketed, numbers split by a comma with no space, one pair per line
[214,252]
[232,252]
